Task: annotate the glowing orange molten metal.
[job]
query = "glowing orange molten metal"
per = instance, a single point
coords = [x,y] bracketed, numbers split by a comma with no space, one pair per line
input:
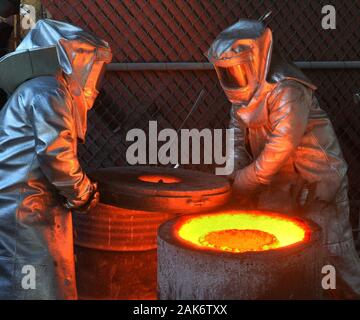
[159,179]
[241,231]
[239,240]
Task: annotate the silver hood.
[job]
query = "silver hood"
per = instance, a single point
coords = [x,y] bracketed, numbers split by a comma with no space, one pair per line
[82,57]
[269,67]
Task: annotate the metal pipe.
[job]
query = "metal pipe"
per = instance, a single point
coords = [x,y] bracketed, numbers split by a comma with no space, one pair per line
[159,66]
[328,64]
[193,66]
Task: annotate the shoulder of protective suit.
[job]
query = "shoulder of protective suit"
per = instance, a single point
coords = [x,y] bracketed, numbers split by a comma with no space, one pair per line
[43,90]
[292,86]
[290,90]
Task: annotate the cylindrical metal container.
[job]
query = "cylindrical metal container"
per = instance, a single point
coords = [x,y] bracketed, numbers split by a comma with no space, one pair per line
[161,189]
[135,201]
[217,260]
[116,241]
[116,252]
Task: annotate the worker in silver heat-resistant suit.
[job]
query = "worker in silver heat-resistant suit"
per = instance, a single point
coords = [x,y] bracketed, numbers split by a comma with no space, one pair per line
[52,79]
[287,156]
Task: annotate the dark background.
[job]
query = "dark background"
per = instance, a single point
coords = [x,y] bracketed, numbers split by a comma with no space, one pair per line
[181,31]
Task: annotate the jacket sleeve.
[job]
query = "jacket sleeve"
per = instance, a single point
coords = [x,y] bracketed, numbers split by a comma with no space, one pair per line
[56,145]
[288,117]
[238,152]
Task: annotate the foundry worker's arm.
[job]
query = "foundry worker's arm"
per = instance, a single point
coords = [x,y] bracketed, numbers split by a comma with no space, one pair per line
[238,152]
[289,117]
[54,128]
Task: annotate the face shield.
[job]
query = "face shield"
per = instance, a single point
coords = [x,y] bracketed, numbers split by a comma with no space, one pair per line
[237,77]
[89,67]
[241,55]
[94,83]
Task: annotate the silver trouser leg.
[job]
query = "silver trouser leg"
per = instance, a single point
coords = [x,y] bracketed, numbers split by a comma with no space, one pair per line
[339,247]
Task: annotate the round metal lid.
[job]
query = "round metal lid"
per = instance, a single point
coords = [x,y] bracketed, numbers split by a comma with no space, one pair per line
[155,188]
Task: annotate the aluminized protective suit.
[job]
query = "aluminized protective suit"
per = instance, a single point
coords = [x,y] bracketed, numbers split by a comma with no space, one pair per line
[40,175]
[286,152]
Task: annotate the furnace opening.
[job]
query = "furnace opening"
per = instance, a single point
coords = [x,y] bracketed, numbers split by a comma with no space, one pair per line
[241,231]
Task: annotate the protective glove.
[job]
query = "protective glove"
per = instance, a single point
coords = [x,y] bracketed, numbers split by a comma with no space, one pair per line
[245,180]
[93,197]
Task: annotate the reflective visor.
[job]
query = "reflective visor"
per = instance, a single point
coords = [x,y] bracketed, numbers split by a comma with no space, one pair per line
[95,78]
[235,76]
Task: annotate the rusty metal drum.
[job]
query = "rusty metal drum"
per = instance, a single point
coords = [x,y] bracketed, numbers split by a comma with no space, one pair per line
[112,228]
[239,255]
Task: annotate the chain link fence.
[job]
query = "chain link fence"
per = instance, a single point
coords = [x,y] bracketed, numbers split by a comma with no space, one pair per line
[181,31]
